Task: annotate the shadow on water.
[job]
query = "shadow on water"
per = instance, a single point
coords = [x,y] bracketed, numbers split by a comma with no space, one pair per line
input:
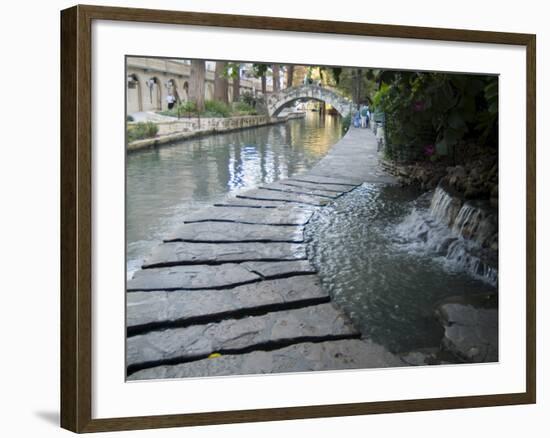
[164,184]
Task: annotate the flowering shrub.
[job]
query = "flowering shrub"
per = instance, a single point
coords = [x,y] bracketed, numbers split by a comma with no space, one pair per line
[440,110]
[429,150]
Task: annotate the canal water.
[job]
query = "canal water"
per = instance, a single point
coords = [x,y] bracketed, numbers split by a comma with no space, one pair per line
[382,274]
[164,184]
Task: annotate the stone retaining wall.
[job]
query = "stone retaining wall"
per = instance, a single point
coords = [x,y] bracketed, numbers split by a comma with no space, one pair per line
[184,128]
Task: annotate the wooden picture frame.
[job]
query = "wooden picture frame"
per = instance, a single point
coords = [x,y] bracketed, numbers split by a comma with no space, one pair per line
[76,217]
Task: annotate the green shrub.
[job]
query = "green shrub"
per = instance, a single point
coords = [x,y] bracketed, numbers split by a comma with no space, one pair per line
[429,114]
[346,122]
[251,99]
[187,108]
[380,96]
[247,98]
[215,108]
[141,130]
[243,109]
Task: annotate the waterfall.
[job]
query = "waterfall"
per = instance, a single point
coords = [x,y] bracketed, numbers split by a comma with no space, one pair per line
[443,206]
[464,234]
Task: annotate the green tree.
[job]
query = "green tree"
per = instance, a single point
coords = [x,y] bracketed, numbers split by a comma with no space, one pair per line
[260,71]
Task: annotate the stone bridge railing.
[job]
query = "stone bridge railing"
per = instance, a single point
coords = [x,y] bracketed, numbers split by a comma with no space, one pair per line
[275,102]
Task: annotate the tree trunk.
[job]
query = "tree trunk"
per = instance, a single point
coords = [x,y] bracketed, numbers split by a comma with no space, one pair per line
[237,86]
[289,75]
[264,84]
[358,80]
[197,83]
[276,78]
[220,83]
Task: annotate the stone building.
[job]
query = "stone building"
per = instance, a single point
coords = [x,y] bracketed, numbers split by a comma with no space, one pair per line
[150,80]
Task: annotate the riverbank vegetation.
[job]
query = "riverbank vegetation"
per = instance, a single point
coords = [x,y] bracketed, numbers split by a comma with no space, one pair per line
[212,108]
[436,115]
[141,130]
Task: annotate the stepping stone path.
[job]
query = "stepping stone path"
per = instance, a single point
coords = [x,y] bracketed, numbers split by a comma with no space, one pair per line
[216,232]
[190,253]
[231,291]
[264,194]
[250,215]
[275,187]
[305,356]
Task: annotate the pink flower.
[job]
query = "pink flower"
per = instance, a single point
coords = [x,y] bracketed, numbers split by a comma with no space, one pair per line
[418,106]
[429,150]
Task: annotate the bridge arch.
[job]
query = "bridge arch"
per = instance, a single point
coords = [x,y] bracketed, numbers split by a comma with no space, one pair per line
[275,102]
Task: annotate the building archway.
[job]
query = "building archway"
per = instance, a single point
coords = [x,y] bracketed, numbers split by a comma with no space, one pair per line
[155,93]
[185,93]
[172,88]
[134,101]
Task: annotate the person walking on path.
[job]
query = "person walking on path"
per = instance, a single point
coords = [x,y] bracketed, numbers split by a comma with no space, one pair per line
[364,115]
[356,119]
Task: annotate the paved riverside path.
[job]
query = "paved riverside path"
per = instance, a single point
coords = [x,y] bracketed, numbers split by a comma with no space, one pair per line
[231,291]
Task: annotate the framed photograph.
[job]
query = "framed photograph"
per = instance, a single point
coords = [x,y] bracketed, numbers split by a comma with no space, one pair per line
[269,218]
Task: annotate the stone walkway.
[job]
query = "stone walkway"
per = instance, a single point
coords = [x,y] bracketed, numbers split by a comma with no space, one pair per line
[232,291]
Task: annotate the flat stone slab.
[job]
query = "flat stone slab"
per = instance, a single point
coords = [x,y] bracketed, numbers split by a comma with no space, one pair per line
[336,188]
[218,232]
[427,356]
[326,180]
[471,333]
[285,215]
[270,195]
[160,308]
[307,356]
[188,253]
[301,190]
[191,277]
[257,203]
[321,322]
[279,269]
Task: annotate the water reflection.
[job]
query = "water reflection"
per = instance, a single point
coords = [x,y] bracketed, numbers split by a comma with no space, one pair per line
[162,184]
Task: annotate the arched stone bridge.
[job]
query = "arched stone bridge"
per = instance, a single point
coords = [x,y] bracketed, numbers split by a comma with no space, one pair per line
[277,101]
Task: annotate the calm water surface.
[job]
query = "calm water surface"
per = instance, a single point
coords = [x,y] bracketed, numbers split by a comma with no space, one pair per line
[163,184]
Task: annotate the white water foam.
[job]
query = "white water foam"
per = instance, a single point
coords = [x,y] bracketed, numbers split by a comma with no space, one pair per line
[454,230]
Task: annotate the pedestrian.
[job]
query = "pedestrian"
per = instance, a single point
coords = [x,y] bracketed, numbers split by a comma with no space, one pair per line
[171,101]
[364,112]
[356,119]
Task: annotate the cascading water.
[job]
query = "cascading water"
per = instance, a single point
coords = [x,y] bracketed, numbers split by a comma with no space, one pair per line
[388,257]
[464,234]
